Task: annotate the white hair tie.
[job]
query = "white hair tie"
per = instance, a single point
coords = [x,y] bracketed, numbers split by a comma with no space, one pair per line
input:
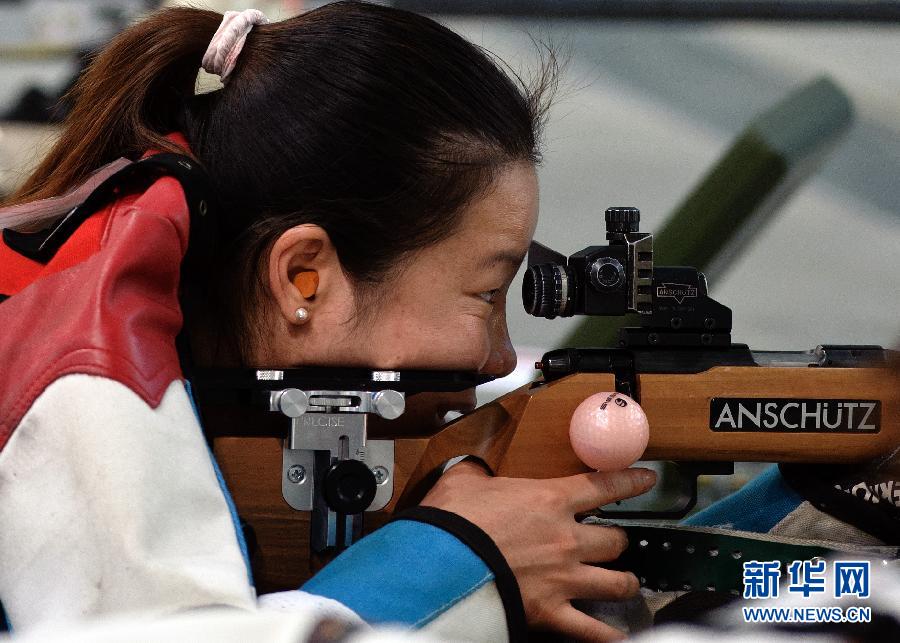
[226,44]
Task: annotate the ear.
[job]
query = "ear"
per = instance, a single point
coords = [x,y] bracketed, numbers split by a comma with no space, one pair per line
[304,251]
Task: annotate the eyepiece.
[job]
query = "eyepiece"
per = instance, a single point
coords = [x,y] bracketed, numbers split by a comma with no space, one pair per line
[547,290]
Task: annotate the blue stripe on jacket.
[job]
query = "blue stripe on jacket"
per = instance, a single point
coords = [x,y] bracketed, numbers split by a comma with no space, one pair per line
[407,572]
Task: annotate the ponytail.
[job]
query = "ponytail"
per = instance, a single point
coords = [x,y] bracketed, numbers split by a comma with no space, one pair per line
[130,96]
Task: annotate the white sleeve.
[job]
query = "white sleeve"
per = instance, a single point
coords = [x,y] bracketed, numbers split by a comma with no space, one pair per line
[297,601]
[220,626]
[108,505]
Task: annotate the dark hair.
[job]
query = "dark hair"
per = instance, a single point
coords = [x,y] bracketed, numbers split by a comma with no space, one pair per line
[377,124]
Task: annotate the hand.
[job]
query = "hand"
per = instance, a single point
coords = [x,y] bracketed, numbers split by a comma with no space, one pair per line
[533,524]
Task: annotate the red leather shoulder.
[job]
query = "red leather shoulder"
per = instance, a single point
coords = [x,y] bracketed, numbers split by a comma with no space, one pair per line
[18,271]
[106,305]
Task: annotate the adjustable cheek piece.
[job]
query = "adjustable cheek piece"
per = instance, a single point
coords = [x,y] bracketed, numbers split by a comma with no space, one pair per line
[328,465]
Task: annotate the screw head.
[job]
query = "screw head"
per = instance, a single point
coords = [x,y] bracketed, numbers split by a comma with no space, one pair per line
[296,473]
[381,475]
[653,338]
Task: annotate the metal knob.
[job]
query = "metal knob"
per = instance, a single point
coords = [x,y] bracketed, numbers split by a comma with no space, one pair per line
[389,404]
[607,274]
[350,487]
[292,402]
[620,220]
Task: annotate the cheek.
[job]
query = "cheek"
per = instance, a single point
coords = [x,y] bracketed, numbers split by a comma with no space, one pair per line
[459,343]
[463,344]
[476,341]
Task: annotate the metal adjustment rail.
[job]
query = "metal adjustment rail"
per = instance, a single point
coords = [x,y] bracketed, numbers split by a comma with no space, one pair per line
[329,467]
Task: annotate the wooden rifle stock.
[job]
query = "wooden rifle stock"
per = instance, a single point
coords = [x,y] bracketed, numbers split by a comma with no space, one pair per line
[525,434]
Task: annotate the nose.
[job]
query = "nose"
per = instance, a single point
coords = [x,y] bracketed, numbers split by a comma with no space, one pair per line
[502,358]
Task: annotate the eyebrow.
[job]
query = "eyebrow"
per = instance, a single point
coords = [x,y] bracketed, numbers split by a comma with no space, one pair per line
[512,258]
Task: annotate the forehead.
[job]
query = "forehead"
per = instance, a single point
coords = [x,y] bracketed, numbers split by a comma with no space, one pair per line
[505,214]
[483,253]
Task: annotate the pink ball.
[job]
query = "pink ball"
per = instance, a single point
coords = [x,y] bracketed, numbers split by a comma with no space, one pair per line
[609,431]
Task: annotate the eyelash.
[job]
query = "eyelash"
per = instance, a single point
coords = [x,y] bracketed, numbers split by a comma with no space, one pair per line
[491,295]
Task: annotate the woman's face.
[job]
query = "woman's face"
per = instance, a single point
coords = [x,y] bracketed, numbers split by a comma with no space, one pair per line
[448,307]
[445,309]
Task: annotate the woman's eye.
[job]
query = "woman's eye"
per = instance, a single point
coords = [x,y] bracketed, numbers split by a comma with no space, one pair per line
[489,295]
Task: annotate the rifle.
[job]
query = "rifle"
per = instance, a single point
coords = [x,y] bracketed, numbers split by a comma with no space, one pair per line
[709,402]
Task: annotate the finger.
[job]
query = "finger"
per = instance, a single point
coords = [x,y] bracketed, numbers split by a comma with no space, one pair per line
[569,621]
[598,544]
[588,491]
[598,583]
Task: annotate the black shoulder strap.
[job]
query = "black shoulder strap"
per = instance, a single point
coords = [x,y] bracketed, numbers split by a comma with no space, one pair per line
[41,246]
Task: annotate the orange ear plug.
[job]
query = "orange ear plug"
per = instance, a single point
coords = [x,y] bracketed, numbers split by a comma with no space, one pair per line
[307,281]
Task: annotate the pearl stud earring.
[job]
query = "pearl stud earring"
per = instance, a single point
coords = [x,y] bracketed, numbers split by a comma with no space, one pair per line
[302,315]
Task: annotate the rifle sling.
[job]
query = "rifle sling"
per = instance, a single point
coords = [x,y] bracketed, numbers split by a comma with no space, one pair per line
[683,559]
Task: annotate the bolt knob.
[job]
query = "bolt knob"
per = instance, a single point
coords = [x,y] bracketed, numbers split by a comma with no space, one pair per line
[349,487]
[622,219]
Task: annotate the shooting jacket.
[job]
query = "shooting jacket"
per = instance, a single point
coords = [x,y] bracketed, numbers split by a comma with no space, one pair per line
[110,500]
